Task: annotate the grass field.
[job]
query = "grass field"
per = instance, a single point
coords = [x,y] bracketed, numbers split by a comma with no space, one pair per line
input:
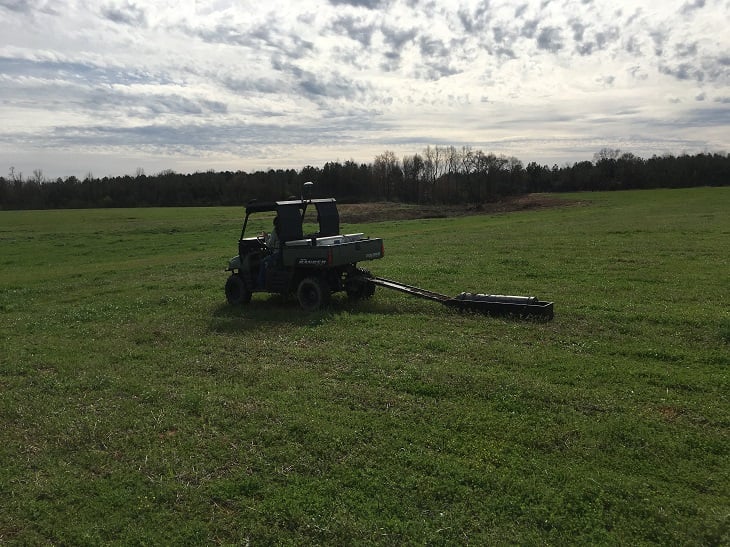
[138,408]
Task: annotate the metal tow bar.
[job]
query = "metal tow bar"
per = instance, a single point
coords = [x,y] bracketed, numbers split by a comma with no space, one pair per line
[490,304]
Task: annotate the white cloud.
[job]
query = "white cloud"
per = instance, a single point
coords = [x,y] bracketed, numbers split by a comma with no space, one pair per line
[244,85]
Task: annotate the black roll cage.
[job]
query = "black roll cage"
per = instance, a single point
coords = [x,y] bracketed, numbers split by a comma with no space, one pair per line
[291,217]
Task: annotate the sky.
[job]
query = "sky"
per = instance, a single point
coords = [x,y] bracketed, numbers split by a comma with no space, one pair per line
[119,87]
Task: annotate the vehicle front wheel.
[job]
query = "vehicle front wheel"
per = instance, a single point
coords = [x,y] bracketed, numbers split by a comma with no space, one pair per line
[313,294]
[236,291]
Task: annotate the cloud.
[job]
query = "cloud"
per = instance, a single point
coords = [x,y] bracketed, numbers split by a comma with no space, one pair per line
[77,71]
[504,38]
[433,47]
[683,71]
[529,28]
[248,80]
[637,72]
[606,80]
[368,4]
[589,41]
[355,28]
[321,87]
[397,38]
[633,46]
[29,8]
[689,7]
[20,6]
[196,138]
[477,20]
[250,84]
[436,58]
[659,36]
[125,14]
[686,50]
[578,30]
[153,106]
[501,34]
[703,117]
[264,36]
[550,39]
[608,35]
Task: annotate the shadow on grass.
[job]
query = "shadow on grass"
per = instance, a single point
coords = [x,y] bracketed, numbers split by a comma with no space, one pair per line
[263,312]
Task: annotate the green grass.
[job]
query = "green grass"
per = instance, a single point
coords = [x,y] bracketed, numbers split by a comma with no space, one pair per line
[138,408]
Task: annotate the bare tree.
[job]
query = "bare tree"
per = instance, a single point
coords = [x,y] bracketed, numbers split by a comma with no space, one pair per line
[432,168]
[453,160]
[38,177]
[15,176]
[452,168]
[387,172]
[468,167]
[413,172]
[606,154]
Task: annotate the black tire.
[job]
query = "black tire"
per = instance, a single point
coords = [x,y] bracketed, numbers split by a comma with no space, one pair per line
[236,291]
[313,294]
[358,286]
[369,289]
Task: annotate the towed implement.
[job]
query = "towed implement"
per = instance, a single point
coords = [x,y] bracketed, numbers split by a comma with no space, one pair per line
[313,266]
[490,304]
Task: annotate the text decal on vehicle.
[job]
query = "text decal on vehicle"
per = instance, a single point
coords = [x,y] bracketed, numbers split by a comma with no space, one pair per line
[312,262]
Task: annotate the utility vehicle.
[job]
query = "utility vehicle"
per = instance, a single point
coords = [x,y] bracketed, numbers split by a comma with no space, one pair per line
[312,266]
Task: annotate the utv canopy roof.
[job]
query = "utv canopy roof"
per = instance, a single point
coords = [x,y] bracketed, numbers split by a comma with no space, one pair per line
[263,206]
[291,215]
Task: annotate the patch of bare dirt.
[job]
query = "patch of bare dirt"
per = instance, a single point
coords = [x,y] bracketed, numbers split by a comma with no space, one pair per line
[356,213]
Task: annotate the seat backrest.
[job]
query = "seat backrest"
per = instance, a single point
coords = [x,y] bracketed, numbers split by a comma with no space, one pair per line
[329,219]
[290,222]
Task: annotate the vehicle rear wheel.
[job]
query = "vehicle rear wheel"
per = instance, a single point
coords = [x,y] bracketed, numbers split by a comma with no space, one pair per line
[369,289]
[357,285]
[313,293]
[236,291]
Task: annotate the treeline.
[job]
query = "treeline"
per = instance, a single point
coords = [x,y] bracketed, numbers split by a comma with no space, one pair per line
[437,175]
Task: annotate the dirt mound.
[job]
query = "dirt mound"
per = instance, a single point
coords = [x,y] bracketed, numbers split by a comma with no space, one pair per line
[356,213]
